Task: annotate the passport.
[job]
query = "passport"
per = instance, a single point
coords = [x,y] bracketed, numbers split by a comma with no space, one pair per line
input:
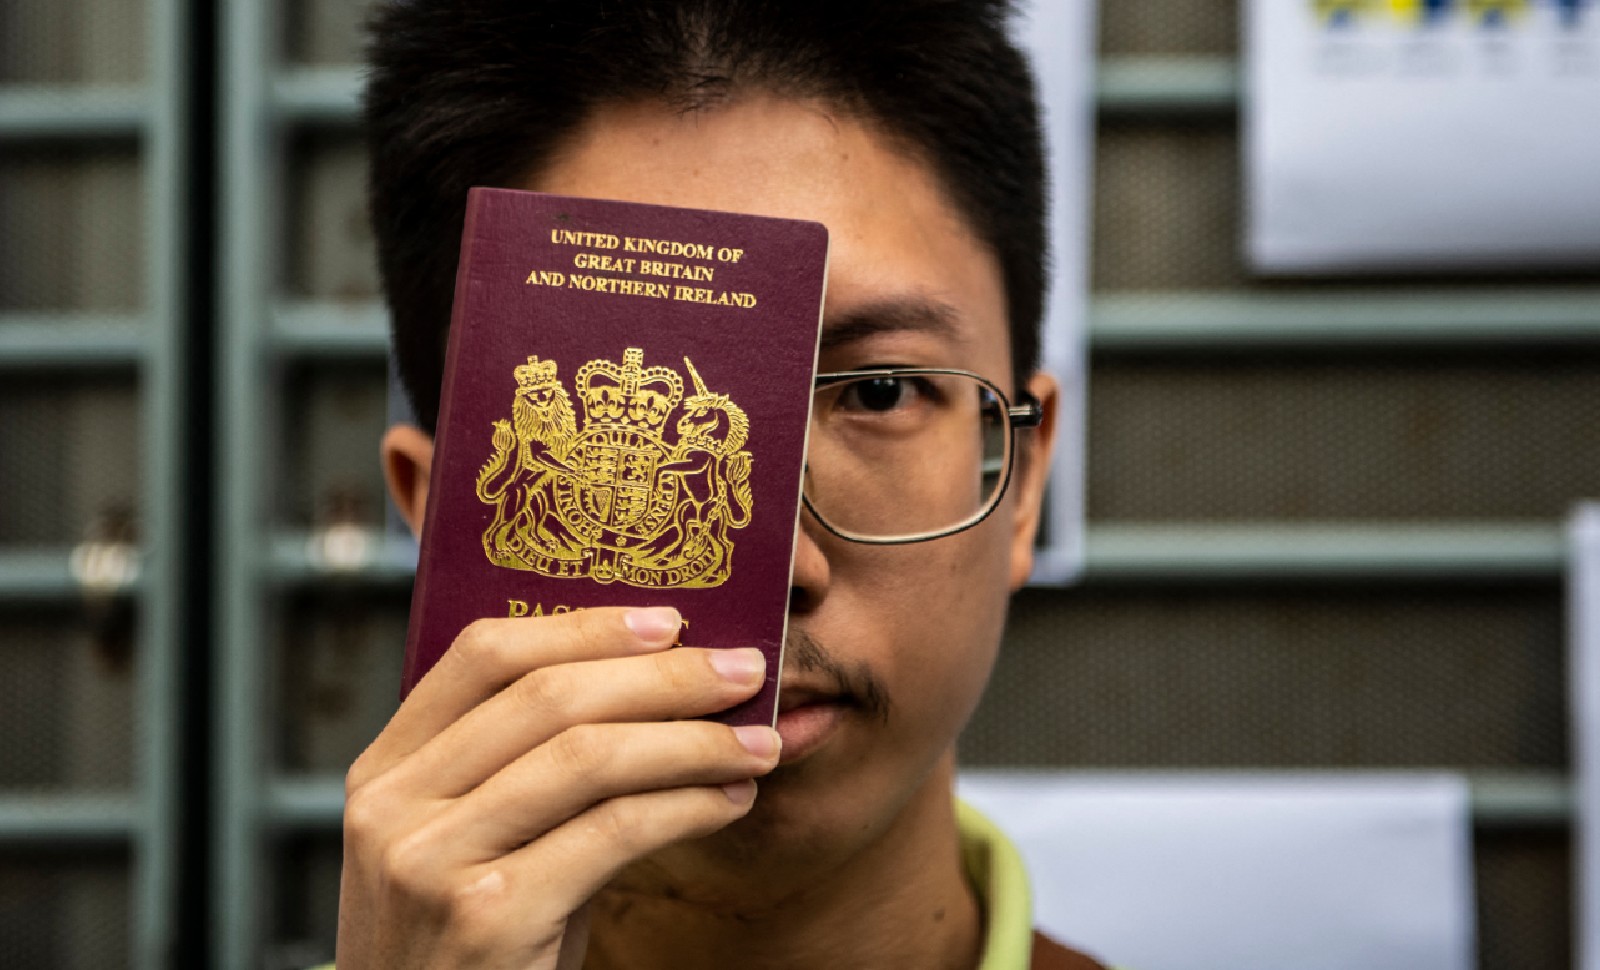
[623,422]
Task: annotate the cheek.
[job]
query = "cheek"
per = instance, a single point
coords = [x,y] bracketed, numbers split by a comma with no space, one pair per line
[953,595]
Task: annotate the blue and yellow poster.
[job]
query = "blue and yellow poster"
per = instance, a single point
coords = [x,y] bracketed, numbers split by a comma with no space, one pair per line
[1388,135]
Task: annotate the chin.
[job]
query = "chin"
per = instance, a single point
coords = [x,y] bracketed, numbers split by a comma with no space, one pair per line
[801,817]
[791,796]
[819,812]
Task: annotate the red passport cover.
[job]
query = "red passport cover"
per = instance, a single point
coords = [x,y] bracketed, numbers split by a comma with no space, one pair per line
[623,422]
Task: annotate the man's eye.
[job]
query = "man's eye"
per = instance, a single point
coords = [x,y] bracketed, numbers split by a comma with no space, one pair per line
[876,394]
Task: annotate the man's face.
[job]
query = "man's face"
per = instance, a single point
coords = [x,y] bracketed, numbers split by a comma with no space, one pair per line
[915,627]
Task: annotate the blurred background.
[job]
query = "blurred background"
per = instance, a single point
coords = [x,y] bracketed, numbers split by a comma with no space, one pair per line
[1314,540]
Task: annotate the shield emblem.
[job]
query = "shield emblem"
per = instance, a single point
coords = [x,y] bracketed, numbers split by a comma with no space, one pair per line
[618,479]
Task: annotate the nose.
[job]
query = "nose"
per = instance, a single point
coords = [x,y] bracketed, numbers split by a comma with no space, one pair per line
[808,585]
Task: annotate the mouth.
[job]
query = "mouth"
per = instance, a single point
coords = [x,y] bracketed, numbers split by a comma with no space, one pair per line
[808,715]
[818,692]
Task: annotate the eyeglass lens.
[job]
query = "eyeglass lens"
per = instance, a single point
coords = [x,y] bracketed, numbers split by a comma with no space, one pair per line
[902,455]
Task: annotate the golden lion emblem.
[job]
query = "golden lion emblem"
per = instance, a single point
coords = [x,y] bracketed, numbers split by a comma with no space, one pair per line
[614,500]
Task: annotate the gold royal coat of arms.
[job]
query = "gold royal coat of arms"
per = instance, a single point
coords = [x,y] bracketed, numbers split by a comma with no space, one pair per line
[615,500]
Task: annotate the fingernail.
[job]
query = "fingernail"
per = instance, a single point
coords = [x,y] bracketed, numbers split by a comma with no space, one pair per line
[655,625]
[740,792]
[741,665]
[759,740]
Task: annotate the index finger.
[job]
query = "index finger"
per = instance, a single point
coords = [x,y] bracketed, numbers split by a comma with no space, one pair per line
[492,653]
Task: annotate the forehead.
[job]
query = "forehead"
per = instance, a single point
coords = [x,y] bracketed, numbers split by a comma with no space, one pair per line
[897,242]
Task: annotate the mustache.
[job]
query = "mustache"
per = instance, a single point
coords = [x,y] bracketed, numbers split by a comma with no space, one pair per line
[857,683]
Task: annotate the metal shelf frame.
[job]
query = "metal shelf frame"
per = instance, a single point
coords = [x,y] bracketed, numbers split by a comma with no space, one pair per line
[1500,801]
[1279,552]
[70,821]
[1322,320]
[166,395]
[72,341]
[249,184]
[1174,322]
[45,575]
[1163,88]
[1132,553]
[34,112]
[1143,87]
[152,343]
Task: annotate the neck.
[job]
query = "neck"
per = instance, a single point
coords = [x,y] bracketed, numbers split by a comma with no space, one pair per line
[898,898]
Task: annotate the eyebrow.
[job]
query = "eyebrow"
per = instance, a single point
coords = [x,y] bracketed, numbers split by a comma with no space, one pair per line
[902,315]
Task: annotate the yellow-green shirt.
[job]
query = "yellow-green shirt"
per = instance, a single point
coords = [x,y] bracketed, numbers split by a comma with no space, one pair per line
[994,867]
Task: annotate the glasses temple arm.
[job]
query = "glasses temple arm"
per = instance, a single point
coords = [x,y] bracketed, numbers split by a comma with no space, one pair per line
[1028,414]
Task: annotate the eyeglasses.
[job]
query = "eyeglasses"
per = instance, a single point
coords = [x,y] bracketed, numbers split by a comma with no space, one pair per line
[906,454]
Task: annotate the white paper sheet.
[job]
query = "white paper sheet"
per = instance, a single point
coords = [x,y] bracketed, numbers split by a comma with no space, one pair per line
[1060,38]
[1390,134]
[1583,677]
[1249,872]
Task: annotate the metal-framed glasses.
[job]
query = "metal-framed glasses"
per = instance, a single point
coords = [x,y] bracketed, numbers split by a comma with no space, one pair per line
[907,454]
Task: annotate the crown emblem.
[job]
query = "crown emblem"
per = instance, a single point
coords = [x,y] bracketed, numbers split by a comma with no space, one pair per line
[535,372]
[618,498]
[627,397]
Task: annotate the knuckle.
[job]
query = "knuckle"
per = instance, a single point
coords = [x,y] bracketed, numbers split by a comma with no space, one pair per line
[683,672]
[619,823]
[637,825]
[474,903]
[719,740]
[479,644]
[580,750]
[544,692]
[358,776]
[408,865]
[594,630]
[362,817]
[706,742]
[487,919]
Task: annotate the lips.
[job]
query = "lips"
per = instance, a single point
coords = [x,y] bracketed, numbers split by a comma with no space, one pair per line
[807,716]
[791,696]
[820,693]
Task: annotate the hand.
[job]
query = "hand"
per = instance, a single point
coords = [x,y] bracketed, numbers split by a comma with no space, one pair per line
[537,758]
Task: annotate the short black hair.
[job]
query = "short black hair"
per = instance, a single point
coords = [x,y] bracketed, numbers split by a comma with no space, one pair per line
[483,92]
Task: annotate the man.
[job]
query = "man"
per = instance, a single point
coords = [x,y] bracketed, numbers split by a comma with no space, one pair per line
[546,796]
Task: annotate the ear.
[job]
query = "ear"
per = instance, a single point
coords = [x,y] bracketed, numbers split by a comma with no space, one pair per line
[407,461]
[1029,472]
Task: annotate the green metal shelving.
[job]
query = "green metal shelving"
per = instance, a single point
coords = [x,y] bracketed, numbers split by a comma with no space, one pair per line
[1434,318]
[71,341]
[1499,800]
[249,179]
[1169,322]
[48,111]
[72,822]
[1150,87]
[1255,552]
[150,344]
